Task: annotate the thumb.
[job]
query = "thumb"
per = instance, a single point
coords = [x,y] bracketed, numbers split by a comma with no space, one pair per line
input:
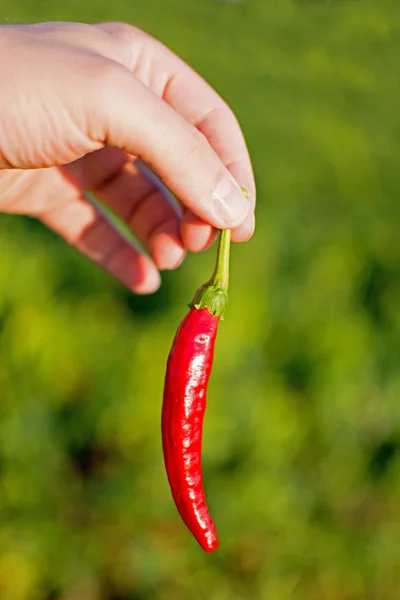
[121,111]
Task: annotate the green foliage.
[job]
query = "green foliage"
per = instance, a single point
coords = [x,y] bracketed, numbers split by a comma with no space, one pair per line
[302,434]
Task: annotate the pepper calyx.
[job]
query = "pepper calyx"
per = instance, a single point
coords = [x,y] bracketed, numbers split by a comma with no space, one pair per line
[212,296]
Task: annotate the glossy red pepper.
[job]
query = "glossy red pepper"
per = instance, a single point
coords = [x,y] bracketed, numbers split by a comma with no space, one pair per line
[188,371]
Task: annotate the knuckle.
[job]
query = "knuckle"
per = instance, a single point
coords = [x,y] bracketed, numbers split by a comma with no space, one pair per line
[197,145]
[123,36]
[104,73]
[198,135]
[103,80]
[226,109]
[117,29]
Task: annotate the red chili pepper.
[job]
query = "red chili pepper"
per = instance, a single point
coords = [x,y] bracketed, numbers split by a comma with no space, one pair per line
[188,371]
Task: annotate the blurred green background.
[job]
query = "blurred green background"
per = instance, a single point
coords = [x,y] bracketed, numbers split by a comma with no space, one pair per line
[302,432]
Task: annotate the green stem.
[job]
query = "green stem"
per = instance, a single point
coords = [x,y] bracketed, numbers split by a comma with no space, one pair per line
[221,271]
[213,295]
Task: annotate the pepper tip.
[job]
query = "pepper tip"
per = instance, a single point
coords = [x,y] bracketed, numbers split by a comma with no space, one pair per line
[210,542]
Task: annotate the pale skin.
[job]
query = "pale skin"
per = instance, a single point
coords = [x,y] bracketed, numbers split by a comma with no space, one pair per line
[79,105]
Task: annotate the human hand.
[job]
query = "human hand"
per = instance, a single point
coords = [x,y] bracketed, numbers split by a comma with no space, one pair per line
[79,104]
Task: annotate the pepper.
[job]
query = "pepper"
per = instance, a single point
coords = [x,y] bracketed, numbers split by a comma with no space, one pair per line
[184,403]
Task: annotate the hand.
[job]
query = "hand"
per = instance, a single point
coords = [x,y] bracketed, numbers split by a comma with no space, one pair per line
[79,104]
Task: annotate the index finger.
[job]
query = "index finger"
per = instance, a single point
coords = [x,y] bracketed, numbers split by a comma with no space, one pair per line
[192,97]
[197,102]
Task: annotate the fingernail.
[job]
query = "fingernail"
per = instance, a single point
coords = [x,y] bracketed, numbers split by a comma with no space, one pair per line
[230,203]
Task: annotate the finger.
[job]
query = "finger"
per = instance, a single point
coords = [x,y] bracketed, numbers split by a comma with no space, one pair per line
[79,223]
[148,212]
[197,235]
[244,232]
[189,94]
[222,130]
[199,104]
[81,226]
[120,111]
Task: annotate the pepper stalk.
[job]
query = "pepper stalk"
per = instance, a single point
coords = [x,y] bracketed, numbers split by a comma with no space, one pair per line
[213,295]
